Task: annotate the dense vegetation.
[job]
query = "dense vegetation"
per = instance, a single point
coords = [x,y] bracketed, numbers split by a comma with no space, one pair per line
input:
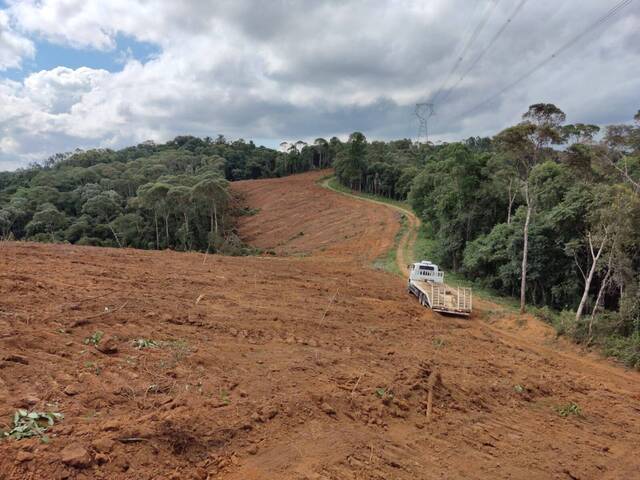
[173,195]
[542,211]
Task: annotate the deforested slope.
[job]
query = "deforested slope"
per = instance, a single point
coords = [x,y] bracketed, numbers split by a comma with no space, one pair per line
[304,365]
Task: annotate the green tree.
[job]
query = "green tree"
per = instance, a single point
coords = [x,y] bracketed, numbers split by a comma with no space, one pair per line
[350,164]
[130,228]
[181,200]
[104,207]
[611,225]
[47,219]
[211,192]
[153,196]
[526,145]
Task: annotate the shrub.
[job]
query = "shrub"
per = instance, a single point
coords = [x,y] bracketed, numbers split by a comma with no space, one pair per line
[625,349]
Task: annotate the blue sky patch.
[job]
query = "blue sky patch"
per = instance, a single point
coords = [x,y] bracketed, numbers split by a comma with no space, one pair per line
[50,55]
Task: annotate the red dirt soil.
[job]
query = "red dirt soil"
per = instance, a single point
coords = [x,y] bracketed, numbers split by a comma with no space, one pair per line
[306,366]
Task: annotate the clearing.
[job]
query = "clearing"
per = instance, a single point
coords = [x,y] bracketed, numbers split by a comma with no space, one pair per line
[306,364]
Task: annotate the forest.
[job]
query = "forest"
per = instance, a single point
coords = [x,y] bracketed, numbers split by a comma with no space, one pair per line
[173,195]
[544,211]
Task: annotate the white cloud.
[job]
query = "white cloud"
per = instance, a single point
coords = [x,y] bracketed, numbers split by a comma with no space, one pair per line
[57,90]
[303,69]
[13,46]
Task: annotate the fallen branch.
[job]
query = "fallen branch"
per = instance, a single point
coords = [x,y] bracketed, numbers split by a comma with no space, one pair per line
[85,320]
[132,439]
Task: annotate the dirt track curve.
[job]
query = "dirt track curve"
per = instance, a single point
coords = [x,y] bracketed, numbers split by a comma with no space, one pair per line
[303,365]
[404,247]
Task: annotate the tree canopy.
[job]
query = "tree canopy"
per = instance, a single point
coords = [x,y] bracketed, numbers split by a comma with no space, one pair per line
[171,195]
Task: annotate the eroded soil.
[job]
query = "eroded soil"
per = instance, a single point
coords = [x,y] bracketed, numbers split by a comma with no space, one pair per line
[304,365]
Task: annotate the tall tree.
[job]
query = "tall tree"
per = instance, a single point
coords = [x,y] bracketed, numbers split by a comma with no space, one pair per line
[611,226]
[351,161]
[526,144]
[154,197]
[212,192]
[180,199]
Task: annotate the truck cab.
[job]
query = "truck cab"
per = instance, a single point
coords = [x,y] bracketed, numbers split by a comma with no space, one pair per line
[425,271]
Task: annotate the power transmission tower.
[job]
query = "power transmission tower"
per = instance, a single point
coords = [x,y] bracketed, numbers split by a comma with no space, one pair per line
[423,112]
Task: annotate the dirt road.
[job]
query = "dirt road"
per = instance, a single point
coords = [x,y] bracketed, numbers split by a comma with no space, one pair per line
[303,365]
[404,247]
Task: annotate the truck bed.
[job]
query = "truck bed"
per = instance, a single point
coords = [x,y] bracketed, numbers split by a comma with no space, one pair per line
[443,298]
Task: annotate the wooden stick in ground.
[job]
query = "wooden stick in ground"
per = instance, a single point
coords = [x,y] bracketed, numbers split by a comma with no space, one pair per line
[329,305]
[353,391]
[434,378]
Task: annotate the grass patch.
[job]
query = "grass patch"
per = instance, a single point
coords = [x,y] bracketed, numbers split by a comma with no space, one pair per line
[142,343]
[569,409]
[625,349]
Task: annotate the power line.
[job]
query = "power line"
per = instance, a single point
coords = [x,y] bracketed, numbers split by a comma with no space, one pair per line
[599,22]
[493,40]
[465,49]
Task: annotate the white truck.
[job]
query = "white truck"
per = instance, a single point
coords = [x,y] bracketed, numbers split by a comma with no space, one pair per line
[426,282]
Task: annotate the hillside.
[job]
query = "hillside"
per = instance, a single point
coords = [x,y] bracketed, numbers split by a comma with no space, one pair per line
[306,364]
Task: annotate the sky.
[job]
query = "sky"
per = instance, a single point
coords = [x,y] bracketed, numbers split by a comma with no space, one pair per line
[87,74]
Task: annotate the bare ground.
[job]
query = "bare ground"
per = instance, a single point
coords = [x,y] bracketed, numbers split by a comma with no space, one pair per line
[305,365]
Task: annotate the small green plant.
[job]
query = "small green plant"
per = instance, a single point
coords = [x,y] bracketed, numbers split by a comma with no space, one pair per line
[179,348]
[142,343]
[519,388]
[93,366]
[95,338]
[568,410]
[384,394]
[224,397]
[32,424]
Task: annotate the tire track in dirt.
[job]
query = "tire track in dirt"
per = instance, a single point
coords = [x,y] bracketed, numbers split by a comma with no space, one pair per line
[406,243]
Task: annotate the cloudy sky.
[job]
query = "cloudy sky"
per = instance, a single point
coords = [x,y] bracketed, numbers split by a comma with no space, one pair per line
[85,73]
